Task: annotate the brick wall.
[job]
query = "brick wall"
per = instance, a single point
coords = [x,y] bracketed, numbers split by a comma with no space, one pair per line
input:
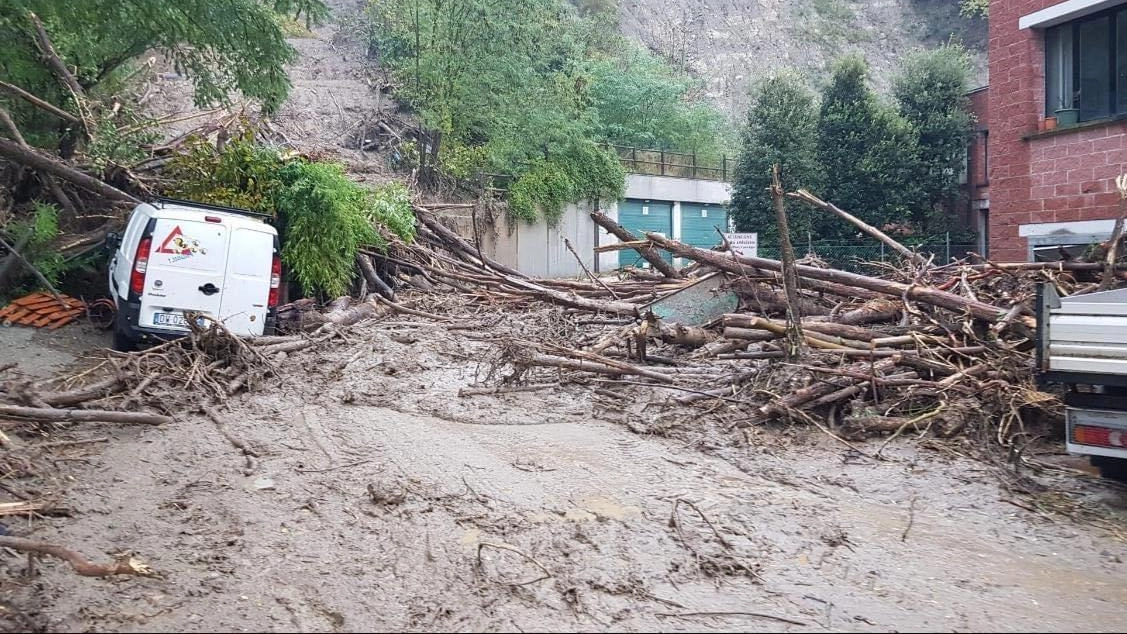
[1057,176]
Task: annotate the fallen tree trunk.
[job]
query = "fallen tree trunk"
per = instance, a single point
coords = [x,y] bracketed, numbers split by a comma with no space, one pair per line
[372,277]
[740,320]
[83,415]
[452,238]
[874,311]
[13,152]
[98,389]
[682,335]
[922,294]
[585,365]
[865,227]
[649,253]
[765,299]
[39,103]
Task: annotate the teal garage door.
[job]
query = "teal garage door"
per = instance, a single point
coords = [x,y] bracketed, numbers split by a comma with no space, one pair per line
[699,223]
[640,216]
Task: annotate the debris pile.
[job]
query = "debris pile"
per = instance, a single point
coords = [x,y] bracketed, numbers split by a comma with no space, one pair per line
[921,347]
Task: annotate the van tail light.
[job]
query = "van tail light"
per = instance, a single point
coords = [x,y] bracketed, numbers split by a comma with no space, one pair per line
[275,282]
[1096,436]
[140,265]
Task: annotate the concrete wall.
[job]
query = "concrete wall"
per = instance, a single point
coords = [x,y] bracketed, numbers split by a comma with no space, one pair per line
[1037,177]
[677,189]
[538,250]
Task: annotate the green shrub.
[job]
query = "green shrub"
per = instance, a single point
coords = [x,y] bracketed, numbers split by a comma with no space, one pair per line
[327,218]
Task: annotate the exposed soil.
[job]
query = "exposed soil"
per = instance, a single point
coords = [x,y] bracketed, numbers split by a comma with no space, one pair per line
[377,486]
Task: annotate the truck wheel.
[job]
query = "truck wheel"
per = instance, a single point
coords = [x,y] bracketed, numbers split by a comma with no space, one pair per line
[121,341]
[1110,468]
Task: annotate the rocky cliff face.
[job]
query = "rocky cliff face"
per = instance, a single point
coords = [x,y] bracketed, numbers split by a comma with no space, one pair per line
[730,43]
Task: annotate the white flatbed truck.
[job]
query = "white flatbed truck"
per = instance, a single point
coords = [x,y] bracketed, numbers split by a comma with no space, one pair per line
[1082,345]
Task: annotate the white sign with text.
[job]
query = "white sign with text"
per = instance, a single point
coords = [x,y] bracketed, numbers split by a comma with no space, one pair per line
[744,243]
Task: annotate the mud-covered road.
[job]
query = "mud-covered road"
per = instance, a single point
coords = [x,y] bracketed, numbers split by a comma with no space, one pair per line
[380,500]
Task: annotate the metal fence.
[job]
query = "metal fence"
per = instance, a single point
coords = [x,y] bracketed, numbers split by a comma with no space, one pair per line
[868,256]
[666,163]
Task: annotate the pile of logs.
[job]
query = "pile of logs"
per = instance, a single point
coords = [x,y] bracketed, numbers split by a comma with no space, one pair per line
[921,346]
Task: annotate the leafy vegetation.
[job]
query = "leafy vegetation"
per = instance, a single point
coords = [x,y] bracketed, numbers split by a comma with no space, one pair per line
[781,129]
[893,165]
[931,92]
[235,45]
[865,149]
[323,217]
[974,8]
[530,88]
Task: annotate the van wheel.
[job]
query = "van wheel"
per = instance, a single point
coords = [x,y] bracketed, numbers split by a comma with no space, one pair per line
[121,341]
[1110,468]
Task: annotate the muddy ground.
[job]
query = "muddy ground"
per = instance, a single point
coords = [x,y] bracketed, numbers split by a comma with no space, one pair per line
[383,500]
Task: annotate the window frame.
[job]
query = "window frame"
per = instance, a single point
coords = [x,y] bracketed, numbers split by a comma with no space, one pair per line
[1112,107]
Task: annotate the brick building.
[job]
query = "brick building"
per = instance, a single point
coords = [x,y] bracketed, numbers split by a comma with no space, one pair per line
[1063,63]
[977,178]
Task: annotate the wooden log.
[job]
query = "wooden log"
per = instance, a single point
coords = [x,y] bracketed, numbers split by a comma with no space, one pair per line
[921,294]
[749,334]
[647,252]
[851,391]
[39,103]
[720,346]
[873,311]
[808,394]
[813,339]
[56,191]
[622,365]
[124,565]
[741,320]
[83,415]
[456,240]
[682,335]
[13,152]
[885,352]
[364,263]
[570,299]
[762,354]
[768,300]
[865,227]
[796,342]
[98,389]
[585,365]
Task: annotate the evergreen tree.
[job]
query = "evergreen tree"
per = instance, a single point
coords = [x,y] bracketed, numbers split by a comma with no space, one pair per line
[781,128]
[931,90]
[867,152]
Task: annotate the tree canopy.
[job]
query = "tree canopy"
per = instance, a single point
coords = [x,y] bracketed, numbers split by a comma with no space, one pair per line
[895,165]
[235,45]
[781,129]
[531,88]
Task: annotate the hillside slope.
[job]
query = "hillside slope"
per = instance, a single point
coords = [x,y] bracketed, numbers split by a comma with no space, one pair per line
[730,43]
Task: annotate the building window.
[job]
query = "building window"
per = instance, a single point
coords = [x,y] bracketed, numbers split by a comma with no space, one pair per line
[1086,67]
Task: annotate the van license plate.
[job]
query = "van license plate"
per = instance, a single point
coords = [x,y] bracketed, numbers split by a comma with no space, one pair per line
[170,319]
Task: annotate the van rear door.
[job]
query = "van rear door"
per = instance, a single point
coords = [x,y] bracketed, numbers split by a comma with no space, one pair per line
[246,287]
[185,273]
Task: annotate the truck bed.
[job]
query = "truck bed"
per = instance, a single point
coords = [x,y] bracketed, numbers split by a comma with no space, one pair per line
[1084,338]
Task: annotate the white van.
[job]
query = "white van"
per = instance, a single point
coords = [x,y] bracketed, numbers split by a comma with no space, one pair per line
[177,256]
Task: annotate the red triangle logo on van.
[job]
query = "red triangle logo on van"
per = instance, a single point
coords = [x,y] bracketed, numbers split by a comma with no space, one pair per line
[164,248]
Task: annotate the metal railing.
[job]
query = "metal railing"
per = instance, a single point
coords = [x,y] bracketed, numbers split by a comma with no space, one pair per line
[668,163]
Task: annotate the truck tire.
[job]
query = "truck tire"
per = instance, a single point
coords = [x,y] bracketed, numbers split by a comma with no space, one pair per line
[121,341]
[1110,468]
